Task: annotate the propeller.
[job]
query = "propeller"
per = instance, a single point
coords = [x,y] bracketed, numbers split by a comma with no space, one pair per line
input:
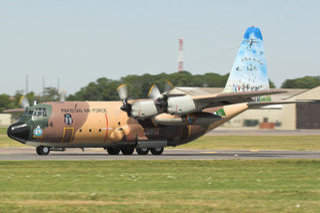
[168,86]
[154,92]
[158,101]
[123,91]
[161,99]
[123,95]
[24,102]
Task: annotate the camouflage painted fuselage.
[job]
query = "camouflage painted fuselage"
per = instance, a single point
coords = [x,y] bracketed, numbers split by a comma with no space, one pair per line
[103,124]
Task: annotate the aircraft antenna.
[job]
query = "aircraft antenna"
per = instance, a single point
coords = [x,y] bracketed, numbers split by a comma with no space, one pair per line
[58,84]
[43,85]
[27,84]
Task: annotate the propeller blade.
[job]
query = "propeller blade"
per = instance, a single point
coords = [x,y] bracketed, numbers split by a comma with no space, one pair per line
[168,86]
[154,92]
[24,102]
[123,91]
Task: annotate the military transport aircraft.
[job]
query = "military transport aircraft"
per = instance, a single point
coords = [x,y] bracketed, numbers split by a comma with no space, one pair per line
[171,118]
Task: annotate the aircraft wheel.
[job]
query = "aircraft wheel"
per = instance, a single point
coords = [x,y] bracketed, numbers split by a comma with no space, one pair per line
[113,151]
[142,151]
[127,150]
[42,150]
[157,150]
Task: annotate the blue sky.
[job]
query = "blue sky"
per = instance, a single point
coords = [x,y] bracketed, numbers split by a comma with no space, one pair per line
[80,41]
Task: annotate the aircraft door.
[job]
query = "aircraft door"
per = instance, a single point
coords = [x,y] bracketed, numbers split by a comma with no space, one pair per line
[68,129]
[67,134]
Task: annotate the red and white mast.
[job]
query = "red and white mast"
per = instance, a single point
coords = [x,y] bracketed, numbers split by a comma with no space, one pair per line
[180,60]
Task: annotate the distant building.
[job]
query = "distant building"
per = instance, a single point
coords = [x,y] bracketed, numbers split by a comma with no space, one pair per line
[285,117]
[5,119]
[303,115]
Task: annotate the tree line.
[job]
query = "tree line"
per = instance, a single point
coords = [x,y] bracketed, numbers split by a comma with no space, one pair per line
[138,86]
[12,102]
[306,82]
[104,89]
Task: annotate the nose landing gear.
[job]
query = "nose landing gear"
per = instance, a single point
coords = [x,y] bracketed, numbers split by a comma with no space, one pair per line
[42,150]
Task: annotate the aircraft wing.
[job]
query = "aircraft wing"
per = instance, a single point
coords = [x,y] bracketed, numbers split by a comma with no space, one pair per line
[18,110]
[222,99]
[257,105]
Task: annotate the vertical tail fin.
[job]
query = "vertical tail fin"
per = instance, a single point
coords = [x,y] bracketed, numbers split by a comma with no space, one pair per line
[249,71]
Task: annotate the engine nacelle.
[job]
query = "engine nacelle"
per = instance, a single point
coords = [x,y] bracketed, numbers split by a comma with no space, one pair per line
[143,109]
[181,105]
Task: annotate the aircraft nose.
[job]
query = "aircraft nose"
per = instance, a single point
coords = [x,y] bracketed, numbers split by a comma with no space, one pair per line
[19,131]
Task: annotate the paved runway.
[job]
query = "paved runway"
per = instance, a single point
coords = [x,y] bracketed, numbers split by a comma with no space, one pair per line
[265,132]
[169,154]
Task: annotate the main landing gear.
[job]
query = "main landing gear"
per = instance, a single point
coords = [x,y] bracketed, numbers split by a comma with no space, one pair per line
[142,151]
[42,150]
[157,151]
[145,151]
[128,150]
[113,151]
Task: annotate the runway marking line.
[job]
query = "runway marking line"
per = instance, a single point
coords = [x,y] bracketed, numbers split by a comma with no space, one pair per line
[208,152]
[254,150]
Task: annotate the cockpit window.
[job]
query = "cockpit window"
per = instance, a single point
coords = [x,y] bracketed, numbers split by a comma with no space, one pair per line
[39,112]
[44,112]
[28,112]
